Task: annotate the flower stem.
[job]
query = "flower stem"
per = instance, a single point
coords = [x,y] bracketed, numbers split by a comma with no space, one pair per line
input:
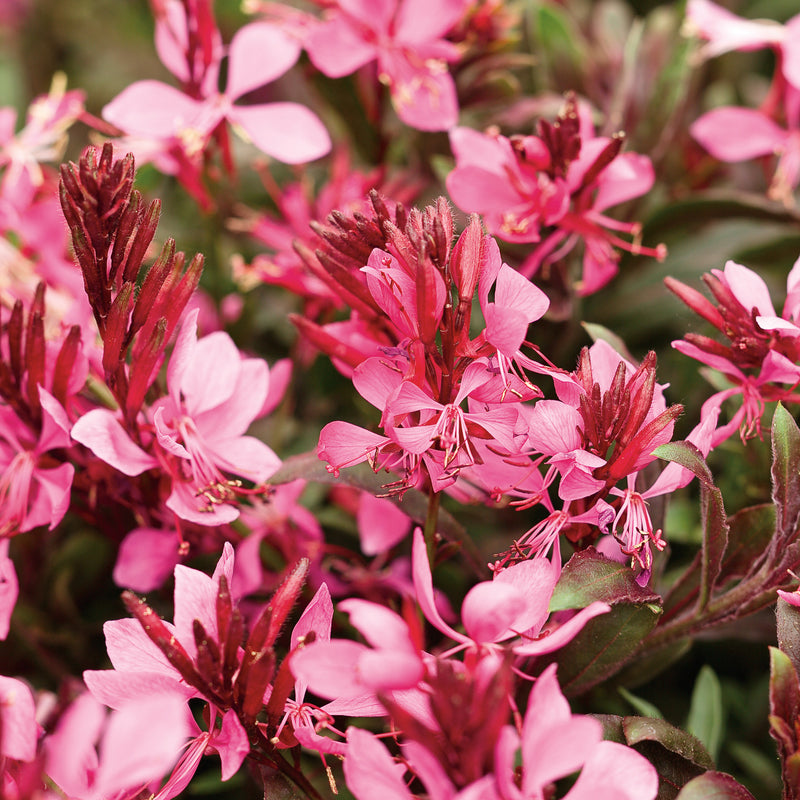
[431,521]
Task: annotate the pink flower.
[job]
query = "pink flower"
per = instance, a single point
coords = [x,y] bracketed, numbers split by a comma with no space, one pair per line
[348,670]
[761,357]
[555,743]
[562,180]
[285,130]
[9,589]
[514,604]
[726,31]
[32,492]
[17,720]
[735,134]
[93,756]
[43,137]
[214,395]
[407,39]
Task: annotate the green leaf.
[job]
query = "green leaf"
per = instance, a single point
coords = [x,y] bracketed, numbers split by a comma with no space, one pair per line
[706,714]
[714,786]
[590,576]
[785,473]
[714,521]
[644,708]
[604,645]
[784,695]
[788,618]
[674,739]
[677,756]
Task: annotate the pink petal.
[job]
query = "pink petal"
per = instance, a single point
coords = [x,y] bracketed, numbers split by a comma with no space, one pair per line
[628,176]
[564,633]
[195,599]
[184,502]
[18,720]
[726,31]
[259,53]
[489,610]
[336,48]
[534,581]
[342,444]
[390,670]
[474,188]
[380,626]
[737,134]
[791,52]
[70,755]
[146,559]
[9,589]
[557,750]
[55,423]
[423,91]
[370,772]
[131,650]
[116,689]
[748,288]
[375,15]
[135,752]
[288,132]
[381,524]
[245,456]
[317,617]
[155,109]
[430,771]
[232,744]
[52,499]
[515,291]
[506,328]
[423,586]
[101,432]
[329,669]
[620,771]
[181,358]
[424,20]
[211,375]
[376,381]
[554,427]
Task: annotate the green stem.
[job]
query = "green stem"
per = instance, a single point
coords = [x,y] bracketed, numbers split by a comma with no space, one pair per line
[430,525]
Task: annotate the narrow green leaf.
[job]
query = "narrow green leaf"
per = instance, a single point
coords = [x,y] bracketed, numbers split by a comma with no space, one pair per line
[645,708]
[714,521]
[785,472]
[706,714]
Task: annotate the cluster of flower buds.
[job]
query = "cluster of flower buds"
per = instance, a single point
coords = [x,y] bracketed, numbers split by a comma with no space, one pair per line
[111,233]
